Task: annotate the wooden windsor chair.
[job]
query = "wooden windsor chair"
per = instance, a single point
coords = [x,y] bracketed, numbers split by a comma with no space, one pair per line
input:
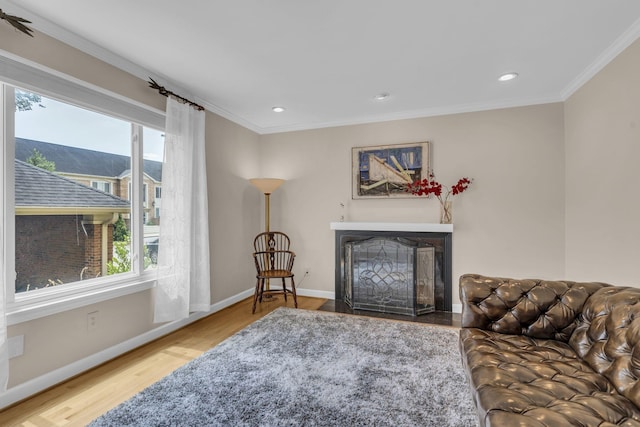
[273,261]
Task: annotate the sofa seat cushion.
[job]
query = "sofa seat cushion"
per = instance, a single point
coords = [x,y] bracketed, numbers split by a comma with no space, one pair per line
[523,381]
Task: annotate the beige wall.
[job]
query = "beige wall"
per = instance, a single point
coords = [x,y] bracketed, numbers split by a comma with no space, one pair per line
[55,341]
[603,153]
[234,213]
[510,222]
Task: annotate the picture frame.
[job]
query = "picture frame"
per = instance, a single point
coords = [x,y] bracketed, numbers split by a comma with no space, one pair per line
[384,171]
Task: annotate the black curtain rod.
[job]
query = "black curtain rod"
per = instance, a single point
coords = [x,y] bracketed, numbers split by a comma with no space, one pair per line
[164,91]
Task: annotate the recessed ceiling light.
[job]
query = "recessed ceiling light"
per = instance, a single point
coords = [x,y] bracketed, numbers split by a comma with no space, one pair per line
[278,109]
[381,96]
[507,76]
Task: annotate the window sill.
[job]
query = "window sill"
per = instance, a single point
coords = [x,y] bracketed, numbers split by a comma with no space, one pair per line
[31,308]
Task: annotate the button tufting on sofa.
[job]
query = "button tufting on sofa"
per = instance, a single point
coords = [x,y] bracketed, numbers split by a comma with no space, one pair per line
[571,357]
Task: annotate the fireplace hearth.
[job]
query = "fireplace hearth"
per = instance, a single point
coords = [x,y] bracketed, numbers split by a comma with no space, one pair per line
[393,268]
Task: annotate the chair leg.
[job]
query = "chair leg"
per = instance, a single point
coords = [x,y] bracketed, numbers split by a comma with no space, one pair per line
[261,290]
[293,291]
[284,289]
[255,296]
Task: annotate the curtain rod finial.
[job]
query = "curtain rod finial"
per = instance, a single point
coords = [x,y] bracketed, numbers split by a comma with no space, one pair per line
[163,91]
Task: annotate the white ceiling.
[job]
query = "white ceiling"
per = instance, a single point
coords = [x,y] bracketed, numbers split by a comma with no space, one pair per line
[324,61]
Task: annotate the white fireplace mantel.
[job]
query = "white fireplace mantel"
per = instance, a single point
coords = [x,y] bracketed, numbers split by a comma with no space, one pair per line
[393,226]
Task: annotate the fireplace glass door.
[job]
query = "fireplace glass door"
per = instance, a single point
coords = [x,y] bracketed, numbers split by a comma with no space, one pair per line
[390,275]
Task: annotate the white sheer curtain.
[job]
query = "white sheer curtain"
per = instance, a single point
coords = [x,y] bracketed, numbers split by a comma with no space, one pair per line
[183,254]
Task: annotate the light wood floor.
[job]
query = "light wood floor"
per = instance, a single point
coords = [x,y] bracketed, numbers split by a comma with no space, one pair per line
[78,401]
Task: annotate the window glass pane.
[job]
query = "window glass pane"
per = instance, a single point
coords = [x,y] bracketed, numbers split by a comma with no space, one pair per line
[153,141]
[145,189]
[102,186]
[66,230]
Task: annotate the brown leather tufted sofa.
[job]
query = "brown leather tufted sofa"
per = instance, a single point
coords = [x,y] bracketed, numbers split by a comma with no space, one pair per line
[551,353]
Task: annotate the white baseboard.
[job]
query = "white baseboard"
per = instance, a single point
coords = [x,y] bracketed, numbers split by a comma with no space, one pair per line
[230,301]
[38,384]
[315,293]
[456,308]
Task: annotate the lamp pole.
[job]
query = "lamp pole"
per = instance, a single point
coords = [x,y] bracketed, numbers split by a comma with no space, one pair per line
[267,211]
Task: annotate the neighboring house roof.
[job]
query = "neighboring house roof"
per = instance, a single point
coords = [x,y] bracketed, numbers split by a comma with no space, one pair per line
[37,187]
[84,162]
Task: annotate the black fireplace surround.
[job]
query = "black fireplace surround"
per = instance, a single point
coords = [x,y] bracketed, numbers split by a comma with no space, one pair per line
[440,241]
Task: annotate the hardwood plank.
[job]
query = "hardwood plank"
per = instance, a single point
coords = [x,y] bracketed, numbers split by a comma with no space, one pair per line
[87,396]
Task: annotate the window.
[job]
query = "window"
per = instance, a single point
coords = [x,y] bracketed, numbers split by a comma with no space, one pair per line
[71,240]
[157,202]
[66,234]
[144,192]
[153,157]
[102,186]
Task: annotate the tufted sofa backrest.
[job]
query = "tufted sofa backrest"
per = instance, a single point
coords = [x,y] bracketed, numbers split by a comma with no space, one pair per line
[535,308]
[608,338]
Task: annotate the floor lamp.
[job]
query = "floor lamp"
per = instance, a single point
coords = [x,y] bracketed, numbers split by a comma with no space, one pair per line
[267,186]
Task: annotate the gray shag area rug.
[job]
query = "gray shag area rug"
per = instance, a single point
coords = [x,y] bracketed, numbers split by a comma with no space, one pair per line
[312,368]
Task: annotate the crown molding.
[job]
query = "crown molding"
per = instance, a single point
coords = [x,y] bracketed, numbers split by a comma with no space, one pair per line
[230,116]
[616,48]
[416,114]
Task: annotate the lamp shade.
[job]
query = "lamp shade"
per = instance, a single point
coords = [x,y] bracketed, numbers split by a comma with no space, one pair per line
[266,185]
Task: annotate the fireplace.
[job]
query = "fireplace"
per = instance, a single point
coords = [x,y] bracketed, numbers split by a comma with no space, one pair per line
[393,268]
[389,275]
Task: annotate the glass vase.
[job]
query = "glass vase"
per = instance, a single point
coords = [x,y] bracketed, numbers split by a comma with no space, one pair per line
[446,213]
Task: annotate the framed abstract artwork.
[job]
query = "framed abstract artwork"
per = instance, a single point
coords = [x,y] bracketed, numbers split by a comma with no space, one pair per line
[385,170]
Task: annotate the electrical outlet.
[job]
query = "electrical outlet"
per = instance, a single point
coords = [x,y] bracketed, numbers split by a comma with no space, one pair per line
[92,321]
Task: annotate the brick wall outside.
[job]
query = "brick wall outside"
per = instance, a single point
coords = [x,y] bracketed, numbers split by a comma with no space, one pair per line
[55,247]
